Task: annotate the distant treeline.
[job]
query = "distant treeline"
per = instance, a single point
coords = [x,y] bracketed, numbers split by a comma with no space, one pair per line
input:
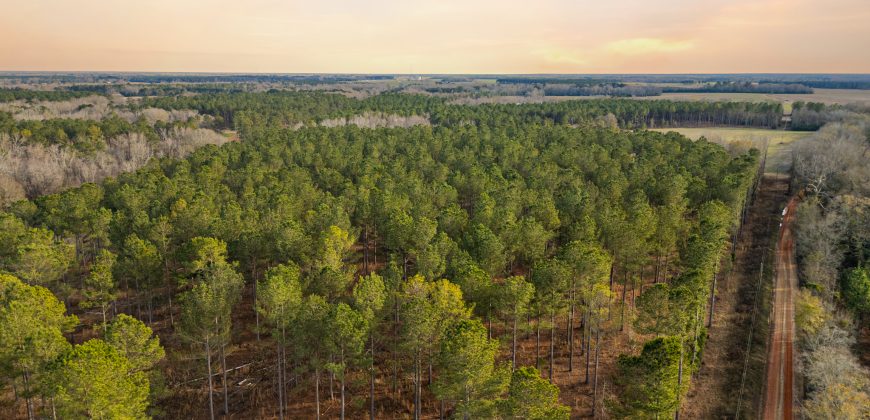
[167,89]
[307,108]
[456,89]
[612,89]
[548,80]
[15,94]
[568,87]
[834,84]
[743,87]
[251,78]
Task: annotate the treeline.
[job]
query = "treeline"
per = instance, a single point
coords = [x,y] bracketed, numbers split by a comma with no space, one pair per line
[339,240]
[16,94]
[160,89]
[601,90]
[288,108]
[591,87]
[84,136]
[834,84]
[810,116]
[832,242]
[550,80]
[249,78]
[623,113]
[307,108]
[743,87]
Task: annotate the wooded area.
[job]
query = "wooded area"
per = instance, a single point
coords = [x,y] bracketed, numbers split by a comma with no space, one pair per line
[379,255]
[833,235]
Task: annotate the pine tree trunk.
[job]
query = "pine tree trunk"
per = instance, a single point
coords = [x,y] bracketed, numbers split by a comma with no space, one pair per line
[256,312]
[372,382]
[151,310]
[588,344]
[679,382]
[280,383]
[622,309]
[417,386]
[538,344]
[514,344]
[285,382]
[331,379]
[552,342]
[571,336]
[224,369]
[317,390]
[658,262]
[612,267]
[210,384]
[595,375]
[171,316]
[342,387]
[366,249]
[27,400]
[396,388]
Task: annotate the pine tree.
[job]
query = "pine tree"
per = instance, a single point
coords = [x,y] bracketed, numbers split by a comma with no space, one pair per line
[468,373]
[279,302]
[100,287]
[531,397]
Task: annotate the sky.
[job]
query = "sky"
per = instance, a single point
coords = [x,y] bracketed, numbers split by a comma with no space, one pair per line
[439,36]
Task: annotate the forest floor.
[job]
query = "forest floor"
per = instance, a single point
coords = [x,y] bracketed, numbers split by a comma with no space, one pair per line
[730,380]
[252,387]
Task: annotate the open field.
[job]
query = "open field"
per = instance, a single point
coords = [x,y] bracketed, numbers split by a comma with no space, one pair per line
[779,142]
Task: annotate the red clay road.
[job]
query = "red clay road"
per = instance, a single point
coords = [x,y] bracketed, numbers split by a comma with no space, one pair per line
[778,394]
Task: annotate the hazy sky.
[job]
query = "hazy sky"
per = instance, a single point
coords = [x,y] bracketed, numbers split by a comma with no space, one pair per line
[439,36]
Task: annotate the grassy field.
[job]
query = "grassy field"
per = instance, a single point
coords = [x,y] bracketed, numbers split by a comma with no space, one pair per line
[779,142]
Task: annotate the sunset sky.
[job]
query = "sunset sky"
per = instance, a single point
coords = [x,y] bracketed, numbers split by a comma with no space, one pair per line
[443,36]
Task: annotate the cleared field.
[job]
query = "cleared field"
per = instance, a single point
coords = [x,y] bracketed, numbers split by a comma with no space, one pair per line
[778,142]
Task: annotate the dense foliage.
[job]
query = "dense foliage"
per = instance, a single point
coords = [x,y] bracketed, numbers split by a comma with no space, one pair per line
[85,136]
[291,108]
[832,241]
[18,94]
[744,87]
[494,212]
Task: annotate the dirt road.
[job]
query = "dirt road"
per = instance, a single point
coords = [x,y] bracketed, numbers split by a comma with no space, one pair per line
[778,395]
